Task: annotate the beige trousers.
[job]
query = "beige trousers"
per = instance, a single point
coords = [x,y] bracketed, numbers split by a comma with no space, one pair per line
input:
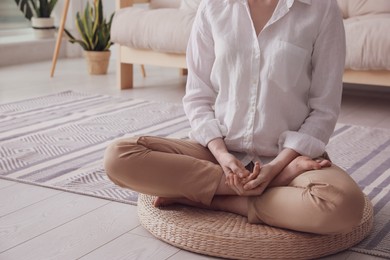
[322,201]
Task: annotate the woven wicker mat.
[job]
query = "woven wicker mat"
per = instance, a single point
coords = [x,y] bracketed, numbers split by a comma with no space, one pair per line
[229,235]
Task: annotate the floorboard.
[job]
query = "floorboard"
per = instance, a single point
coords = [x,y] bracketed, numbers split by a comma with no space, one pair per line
[5,183]
[43,216]
[141,248]
[78,237]
[16,197]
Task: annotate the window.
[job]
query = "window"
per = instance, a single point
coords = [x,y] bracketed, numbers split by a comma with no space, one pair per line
[11,17]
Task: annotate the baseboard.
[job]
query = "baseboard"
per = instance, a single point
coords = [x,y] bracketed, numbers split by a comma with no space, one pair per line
[20,50]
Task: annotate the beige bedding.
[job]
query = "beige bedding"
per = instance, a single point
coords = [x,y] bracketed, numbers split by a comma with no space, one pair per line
[162,30]
[368,42]
[367,26]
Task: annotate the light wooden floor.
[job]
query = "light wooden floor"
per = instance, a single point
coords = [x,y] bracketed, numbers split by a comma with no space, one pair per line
[40,223]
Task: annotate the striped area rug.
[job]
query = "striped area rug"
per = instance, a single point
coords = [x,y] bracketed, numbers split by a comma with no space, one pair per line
[58,141]
[365,154]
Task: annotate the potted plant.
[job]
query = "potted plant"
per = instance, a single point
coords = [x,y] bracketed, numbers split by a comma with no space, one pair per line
[39,13]
[95,35]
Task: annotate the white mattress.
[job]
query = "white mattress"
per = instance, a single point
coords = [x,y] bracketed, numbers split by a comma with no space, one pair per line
[168,30]
[368,42]
[162,30]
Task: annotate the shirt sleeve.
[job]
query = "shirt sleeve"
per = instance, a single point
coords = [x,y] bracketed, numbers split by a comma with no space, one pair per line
[200,95]
[328,60]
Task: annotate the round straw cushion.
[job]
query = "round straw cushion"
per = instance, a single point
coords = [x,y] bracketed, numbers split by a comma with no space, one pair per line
[229,235]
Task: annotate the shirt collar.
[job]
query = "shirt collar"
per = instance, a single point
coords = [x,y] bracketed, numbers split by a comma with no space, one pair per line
[290,2]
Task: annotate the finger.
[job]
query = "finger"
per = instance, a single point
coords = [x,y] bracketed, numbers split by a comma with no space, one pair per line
[228,181]
[232,185]
[231,180]
[227,171]
[257,168]
[252,184]
[245,173]
[256,181]
[240,170]
[238,185]
[249,185]
[254,174]
[229,177]
[254,192]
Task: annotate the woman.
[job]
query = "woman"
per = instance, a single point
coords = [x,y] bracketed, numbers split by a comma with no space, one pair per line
[263,95]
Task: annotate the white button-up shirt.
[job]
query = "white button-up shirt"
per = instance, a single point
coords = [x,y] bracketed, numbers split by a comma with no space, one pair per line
[262,93]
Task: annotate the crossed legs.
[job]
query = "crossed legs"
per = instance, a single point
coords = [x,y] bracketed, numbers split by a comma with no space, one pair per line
[181,171]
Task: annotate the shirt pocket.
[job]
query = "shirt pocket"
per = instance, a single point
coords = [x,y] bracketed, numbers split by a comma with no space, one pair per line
[286,64]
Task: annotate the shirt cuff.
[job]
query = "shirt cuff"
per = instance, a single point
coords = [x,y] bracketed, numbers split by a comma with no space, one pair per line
[208,131]
[302,143]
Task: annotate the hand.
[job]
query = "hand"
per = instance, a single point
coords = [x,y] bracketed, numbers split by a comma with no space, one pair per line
[237,183]
[259,179]
[241,187]
[234,171]
[230,164]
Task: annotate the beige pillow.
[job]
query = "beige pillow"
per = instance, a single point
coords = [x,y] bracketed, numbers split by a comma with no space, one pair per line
[351,8]
[191,5]
[154,4]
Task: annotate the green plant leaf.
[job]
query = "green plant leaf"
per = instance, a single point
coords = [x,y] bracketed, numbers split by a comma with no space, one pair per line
[25,7]
[97,17]
[80,27]
[69,34]
[87,22]
[110,21]
[103,40]
[93,28]
[72,39]
[100,11]
[42,12]
[52,4]
[37,8]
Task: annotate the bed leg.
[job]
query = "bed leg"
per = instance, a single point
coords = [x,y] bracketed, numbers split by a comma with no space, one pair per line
[125,75]
[143,71]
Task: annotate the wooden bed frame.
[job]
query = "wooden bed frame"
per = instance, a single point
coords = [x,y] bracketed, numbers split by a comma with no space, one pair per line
[367,77]
[128,56]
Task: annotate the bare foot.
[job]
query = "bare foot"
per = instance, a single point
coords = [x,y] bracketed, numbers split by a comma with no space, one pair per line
[298,166]
[233,204]
[164,202]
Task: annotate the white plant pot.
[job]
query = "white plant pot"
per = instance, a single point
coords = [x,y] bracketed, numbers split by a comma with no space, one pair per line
[43,27]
